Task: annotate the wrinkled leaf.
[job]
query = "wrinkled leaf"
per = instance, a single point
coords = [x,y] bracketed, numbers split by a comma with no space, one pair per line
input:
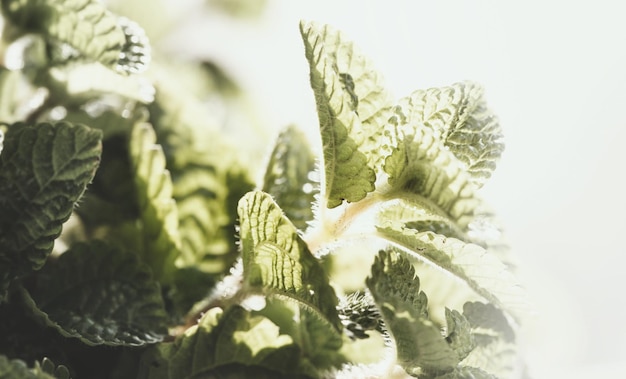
[288,177]
[86,26]
[349,100]
[482,271]
[459,117]
[422,166]
[100,295]
[420,345]
[160,240]
[459,336]
[276,258]
[44,170]
[222,338]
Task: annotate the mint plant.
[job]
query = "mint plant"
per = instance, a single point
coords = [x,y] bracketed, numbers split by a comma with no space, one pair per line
[133,243]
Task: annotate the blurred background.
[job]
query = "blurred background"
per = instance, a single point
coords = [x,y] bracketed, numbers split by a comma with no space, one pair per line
[554,72]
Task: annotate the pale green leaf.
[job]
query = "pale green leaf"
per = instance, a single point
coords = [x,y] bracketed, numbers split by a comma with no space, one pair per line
[496,350]
[459,116]
[482,271]
[276,258]
[221,338]
[352,108]
[87,27]
[422,166]
[421,215]
[160,240]
[459,333]
[100,295]
[44,170]
[17,369]
[288,177]
[467,372]
[419,343]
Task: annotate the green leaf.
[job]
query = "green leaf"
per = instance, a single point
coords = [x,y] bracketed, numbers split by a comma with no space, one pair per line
[17,369]
[352,107]
[459,116]
[233,336]
[44,170]
[48,367]
[467,372]
[459,336]
[422,165]
[421,215]
[479,269]
[86,26]
[100,295]
[419,343]
[160,240]
[288,177]
[207,176]
[276,258]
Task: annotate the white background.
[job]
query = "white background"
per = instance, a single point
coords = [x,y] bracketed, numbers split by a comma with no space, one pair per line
[554,72]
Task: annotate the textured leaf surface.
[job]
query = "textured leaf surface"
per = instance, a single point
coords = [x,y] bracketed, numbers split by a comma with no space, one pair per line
[160,242]
[44,170]
[482,271]
[275,257]
[101,295]
[421,165]
[421,215]
[419,343]
[459,333]
[288,177]
[223,338]
[16,369]
[351,107]
[459,116]
[87,26]
[208,178]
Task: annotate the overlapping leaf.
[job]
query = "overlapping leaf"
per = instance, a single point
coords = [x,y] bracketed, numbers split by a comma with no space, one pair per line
[44,170]
[223,338]
[421,165]
[160,242]
[459,117]
[419,343]
[352,108]
[86,26]
[208,179]
[482,271]
[288,177]
[101,295]
[276,258]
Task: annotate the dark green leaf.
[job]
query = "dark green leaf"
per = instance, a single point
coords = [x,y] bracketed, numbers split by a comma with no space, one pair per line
[101,295]
[44,170]
[288,177]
